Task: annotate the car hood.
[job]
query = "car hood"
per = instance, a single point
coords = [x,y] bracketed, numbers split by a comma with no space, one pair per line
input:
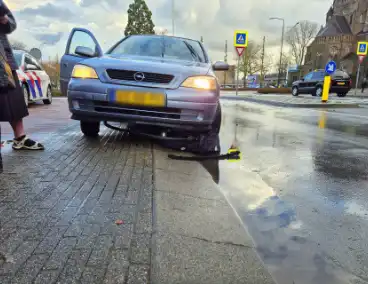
[178,68]
[297,82]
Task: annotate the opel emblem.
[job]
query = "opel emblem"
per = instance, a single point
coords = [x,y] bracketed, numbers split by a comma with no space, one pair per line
[139,76]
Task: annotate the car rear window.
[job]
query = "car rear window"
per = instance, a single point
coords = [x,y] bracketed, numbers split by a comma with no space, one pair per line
[341,74]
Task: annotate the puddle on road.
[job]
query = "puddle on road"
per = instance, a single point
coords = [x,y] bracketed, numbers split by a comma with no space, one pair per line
[284,243]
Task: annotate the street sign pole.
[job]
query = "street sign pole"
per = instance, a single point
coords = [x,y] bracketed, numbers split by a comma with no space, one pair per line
[329,69]
[362,51]
[326,89]
[240,51]
[240,43]
[357,79]
[237,76]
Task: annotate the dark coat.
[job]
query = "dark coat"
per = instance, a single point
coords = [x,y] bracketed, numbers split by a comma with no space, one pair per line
[12,104]
[4,31]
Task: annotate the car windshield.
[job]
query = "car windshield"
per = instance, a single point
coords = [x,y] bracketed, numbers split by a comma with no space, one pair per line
[18,58]
[161,46]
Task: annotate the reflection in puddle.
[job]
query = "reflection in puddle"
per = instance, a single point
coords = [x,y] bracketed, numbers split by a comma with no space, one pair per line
[353,208]
[212,166]
[290,191]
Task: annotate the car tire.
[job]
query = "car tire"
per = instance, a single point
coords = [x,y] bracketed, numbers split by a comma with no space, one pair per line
[342,95]
[319,91]
[295,91]
[216,124]
[90,128]
[25,94]
[48,101]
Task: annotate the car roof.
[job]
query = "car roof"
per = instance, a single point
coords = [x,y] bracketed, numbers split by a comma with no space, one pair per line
[323,70]
[167,36]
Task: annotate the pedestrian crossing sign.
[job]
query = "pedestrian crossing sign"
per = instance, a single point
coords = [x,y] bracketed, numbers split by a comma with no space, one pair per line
[362,48]
[240,38]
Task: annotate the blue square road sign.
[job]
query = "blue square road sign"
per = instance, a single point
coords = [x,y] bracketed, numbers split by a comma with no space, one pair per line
[362,47]
[330,67]
[241,38]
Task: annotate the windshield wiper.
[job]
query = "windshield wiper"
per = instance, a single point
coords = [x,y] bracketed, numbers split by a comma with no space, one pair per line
[192,51]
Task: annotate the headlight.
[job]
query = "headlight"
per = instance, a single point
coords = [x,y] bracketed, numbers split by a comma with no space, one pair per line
[84,72]
[200,82]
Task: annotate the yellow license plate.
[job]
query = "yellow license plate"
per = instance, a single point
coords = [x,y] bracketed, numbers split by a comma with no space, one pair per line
[140,98]
[341,83]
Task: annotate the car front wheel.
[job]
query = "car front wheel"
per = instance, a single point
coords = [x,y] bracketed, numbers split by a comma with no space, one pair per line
[341,95]
[25,94]
[90,129]
[216,124]
[48,101]
[295,91]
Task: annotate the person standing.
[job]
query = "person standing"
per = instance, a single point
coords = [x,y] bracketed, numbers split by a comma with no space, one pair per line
[12,104]
[364,83]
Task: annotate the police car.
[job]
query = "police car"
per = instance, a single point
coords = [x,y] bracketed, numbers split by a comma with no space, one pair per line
[33,78]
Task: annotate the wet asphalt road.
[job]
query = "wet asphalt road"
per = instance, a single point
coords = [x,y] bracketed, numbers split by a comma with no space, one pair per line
[301,189]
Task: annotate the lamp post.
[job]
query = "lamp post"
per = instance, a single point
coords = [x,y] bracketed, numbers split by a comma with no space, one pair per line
[173,16]
[282,45]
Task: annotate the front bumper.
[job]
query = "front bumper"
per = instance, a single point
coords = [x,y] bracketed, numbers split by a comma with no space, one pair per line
[185,108]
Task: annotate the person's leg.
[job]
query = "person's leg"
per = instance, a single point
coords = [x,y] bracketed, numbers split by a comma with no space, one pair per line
[21,141]
[18,128]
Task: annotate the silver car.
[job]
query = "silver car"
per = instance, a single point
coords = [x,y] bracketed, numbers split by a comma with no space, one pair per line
[143,81]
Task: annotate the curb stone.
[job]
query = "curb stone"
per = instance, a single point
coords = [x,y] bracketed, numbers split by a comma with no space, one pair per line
[291,105]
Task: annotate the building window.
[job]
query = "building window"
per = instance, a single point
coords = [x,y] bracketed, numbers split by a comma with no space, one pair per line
[351,19]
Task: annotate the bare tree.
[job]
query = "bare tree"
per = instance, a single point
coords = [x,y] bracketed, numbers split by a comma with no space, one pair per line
[18,45]
[52,68]
[286,60]
[266,62]
[250,61]
[299,37]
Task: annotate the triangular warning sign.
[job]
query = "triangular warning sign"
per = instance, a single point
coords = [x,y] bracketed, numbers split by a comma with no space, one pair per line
[361,58]
[240,50]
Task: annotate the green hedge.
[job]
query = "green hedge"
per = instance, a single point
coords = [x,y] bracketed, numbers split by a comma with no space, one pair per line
[240,89]
[274,91]
[57,93]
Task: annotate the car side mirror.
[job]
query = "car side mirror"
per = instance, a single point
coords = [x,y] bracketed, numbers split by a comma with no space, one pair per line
[302,79]
[31,67]
[85,51]
[220,66]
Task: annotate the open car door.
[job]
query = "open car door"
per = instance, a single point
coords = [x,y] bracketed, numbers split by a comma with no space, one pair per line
[81,45]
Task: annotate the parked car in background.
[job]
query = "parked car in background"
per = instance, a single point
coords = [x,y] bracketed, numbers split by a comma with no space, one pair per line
[33,78]
[312,83]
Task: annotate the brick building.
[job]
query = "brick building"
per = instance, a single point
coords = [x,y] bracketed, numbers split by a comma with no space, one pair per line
[226,77]
[346,24]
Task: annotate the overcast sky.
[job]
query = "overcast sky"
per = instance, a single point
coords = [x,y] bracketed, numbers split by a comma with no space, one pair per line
[47,23]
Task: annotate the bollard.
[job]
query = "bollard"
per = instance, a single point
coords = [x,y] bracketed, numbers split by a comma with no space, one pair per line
[326,88]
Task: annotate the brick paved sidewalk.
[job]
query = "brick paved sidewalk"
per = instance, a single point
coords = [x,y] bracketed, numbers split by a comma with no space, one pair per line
[58,211]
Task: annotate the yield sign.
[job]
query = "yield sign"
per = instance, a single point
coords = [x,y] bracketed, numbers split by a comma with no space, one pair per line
[240,50]
[361,58]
